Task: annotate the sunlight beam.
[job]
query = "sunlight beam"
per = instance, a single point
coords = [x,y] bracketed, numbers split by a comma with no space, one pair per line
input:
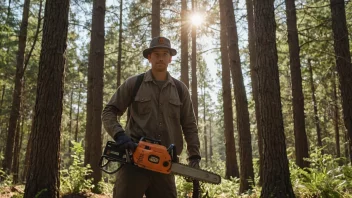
[197,19]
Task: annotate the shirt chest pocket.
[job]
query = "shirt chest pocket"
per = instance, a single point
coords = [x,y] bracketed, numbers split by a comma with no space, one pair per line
[174,108]
[142,105]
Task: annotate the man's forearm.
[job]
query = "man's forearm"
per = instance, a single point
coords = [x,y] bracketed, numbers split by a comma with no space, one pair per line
[110,123]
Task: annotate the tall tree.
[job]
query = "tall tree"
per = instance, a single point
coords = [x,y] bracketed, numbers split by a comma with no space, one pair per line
[336,116]
[16,153]
[244,133]
[231,159]
[315,105]
[95,90]
[184,43]
[301,142]
[343,62]
[119,57]
[43,175]
[155,18]
[17,92]
[276,175]
[254,82]
[194,64]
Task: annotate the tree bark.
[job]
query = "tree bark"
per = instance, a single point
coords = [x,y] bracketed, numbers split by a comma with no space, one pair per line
[17,92]
[95,90]
[210,139]
[194,66]
[230,146]
[244,133]
[301,142]
[77,117]
[2,96]
[119,57]
[276,174]
[343,62]
[28,152]
[315,106]
[205,127]
[155,18]
[44,163]
[336,117]
[254,82]
[184,43]
[70,123]
[16,153]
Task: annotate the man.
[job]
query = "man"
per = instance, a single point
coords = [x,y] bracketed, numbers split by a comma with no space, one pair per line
[160,109]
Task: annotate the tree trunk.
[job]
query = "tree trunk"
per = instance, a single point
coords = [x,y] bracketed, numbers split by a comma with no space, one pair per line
[155,18]
[44,162]
[254,82]
[230,146]
[343,62]
[20,147]
[17,92]
[210,139]
[184,43]
[95,89]
[70,123]
[244,133]
[205,128]
[276,174]
[2,96]
[16,153]
[28,152]
[315,106]
[194,66]
[119,57]
[336,118]
[347,151]
[77,117]
[301,142]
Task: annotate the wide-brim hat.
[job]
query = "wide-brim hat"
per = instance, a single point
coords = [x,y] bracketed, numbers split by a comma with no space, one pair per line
[159,42]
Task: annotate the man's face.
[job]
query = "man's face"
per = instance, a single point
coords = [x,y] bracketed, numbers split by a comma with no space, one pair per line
[160,59]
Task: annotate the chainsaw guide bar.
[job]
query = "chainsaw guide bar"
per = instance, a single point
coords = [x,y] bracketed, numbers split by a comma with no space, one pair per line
[194,173]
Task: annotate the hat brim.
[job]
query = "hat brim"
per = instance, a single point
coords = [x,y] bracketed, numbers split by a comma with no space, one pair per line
[146,52]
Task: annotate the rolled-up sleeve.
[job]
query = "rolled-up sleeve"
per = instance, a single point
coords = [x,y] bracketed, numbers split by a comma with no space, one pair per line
[189,124]
[117,105]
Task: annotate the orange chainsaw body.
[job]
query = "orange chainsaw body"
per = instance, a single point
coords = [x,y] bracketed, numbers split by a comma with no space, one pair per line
[154,157]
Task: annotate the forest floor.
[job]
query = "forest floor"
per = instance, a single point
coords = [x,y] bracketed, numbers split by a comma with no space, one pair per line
[18,191]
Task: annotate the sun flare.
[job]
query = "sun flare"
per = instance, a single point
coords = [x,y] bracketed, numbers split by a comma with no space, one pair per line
[197,19]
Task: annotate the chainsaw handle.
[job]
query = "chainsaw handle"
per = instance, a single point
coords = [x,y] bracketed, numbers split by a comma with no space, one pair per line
[172,151]
[150,140]
[102,166]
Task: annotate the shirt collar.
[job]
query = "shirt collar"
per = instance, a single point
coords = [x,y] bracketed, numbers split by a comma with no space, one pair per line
[149,77]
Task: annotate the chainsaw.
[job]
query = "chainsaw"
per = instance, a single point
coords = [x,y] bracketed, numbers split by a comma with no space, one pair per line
[151,155]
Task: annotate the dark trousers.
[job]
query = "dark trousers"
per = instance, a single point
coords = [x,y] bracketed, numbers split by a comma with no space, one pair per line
[134,182]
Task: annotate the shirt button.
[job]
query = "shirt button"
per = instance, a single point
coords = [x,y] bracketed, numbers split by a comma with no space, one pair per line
[159,123]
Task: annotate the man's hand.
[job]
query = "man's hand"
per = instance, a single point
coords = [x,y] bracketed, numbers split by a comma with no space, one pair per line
[193,161]
[124,142]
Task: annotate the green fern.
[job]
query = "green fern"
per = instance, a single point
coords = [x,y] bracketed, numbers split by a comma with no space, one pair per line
[73,179]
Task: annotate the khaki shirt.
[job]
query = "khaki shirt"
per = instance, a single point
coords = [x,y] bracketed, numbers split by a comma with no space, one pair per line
[155,113]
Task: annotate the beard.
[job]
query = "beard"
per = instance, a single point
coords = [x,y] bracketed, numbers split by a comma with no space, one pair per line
[160,67]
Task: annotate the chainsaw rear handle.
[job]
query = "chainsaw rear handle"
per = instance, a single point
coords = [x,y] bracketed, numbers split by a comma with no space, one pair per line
[112,154]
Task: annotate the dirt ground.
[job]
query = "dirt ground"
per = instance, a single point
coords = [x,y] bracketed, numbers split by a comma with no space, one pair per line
[14,191]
